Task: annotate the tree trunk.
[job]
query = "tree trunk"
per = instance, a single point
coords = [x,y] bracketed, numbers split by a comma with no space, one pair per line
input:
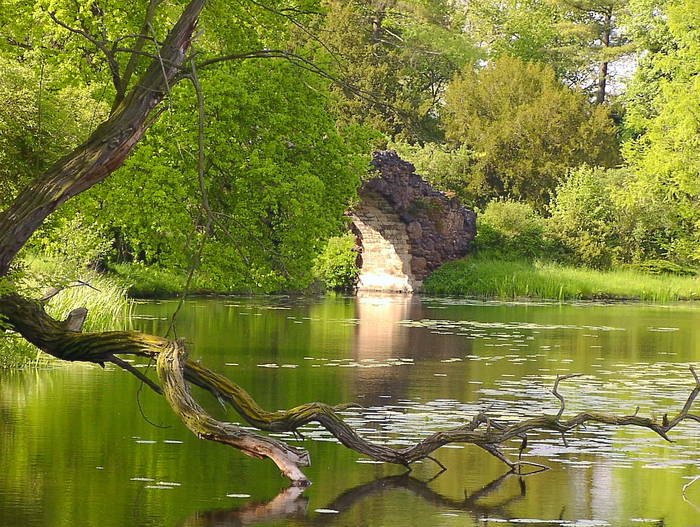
[601,90]
[104,151]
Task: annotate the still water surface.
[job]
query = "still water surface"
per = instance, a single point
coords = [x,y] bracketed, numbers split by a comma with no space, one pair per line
[75,450]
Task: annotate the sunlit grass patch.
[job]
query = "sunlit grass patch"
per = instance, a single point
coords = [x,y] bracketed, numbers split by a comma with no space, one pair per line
[517,279]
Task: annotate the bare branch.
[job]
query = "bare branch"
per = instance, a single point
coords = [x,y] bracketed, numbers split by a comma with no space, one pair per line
[136,373]
[99,44]
[556,393]
[55,290]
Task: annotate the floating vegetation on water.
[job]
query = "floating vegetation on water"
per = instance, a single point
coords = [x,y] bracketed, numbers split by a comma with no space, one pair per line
[443,325]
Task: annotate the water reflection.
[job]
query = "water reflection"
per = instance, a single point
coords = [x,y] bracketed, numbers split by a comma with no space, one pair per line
[288,504]
[291,504]
[74,449]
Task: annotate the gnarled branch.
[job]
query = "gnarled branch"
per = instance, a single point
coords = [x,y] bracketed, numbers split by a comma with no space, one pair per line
[29,319]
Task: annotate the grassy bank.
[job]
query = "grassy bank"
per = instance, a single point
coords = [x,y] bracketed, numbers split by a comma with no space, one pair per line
[108,306]
[475,276]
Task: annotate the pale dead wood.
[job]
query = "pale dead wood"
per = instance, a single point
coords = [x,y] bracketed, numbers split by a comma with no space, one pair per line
[170,372]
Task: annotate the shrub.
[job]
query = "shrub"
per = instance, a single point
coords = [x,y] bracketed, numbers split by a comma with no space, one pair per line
[584,219]
[74,241]
[336,266]
[511,230]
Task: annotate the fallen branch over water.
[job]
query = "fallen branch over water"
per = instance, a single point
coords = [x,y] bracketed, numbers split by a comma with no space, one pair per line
[175,372]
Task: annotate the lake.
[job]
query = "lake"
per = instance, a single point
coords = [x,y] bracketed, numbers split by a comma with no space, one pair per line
[82,446]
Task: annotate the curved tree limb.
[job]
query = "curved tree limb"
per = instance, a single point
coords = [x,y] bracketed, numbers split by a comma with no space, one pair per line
[170,372]
[31,321]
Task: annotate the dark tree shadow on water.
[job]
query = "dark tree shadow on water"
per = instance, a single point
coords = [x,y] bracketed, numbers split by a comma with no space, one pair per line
[291,504]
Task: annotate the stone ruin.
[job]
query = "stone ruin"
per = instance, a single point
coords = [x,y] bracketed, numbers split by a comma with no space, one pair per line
[405,229]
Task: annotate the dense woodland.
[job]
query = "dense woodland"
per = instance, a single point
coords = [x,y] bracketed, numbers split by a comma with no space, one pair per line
[572,126]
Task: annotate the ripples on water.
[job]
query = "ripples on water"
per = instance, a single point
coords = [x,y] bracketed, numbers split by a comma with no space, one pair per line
[75,450]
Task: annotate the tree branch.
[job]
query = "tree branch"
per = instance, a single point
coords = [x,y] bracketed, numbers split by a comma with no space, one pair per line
[176,391]
[30,320]
[102,46]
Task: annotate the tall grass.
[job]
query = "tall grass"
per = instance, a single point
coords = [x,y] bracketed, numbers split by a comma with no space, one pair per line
[486,277]
[106,301]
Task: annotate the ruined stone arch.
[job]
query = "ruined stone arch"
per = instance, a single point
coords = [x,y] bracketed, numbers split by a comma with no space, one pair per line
[405,229]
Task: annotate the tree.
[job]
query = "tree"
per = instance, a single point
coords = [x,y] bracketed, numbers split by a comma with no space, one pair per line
[400,55]
[526,129]
[106,149]
[665,129]
[579,39]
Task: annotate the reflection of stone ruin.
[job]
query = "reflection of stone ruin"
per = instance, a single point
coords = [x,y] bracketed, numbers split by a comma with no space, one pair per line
[405,228]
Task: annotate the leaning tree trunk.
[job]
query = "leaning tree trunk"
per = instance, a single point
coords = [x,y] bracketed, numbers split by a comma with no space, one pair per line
[102,154]
[105,150]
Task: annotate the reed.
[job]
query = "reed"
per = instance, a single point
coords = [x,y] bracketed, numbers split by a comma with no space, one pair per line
[106,300]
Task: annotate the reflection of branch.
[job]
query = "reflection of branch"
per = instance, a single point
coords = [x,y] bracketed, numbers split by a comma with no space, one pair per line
[287,504]
[290,503]
[685,497]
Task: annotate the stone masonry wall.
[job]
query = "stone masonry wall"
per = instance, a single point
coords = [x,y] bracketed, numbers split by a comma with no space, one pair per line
[405,228]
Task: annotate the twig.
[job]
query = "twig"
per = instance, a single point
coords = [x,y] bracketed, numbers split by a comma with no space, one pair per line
[556,393]
[128,367]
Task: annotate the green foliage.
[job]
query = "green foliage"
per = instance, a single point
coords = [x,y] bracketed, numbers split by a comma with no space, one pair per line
[575,38]
[660,267]
[596,215]
[398,58]
[511,230]
[286,148]
[512,279]
[665,152]
[74,241]
[526,130]
[281,176]
[446,168]
[39,121]
[336,266]
[280,170]
[512,219]
[584,218]
[144,281]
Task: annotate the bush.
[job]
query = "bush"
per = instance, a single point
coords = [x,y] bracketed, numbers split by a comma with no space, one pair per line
[74,241]
[664,267]
[510,230]
[584,217]
[526,130]
[336,266]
